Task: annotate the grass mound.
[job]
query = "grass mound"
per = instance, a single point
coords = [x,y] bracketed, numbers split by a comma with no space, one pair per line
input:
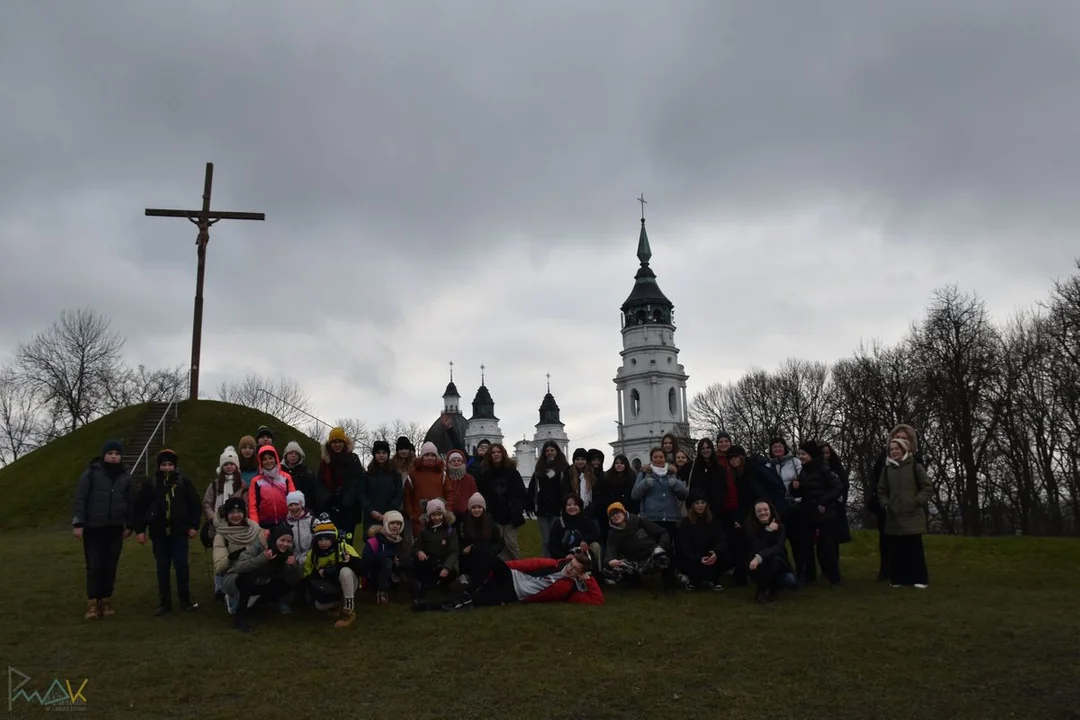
[995,636]
[38,487]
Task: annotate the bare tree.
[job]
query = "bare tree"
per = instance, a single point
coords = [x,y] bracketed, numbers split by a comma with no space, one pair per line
[70,364]
[280,397]
[136,385]
[20,426]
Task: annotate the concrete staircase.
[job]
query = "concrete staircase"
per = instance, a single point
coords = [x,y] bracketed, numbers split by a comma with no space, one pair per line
[143,433]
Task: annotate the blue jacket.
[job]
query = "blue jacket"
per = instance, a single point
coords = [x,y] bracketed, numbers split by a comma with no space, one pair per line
[660,496]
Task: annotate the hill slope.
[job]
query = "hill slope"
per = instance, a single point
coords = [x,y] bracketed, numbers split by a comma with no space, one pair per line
[38,487]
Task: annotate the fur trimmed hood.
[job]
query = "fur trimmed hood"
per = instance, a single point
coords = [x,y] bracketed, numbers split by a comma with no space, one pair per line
[914,444]
[350,447]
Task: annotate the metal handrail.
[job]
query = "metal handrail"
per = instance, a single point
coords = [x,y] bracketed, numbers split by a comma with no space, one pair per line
[297,409]
[144,456]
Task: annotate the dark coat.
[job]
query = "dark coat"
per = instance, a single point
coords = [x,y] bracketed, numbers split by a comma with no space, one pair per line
[608,490]
[504,491]
[905,493]
[695,540]
[381,491]
[167,506]
[818,485]
[770,546]
[471,532]
[305,481]
[346,493]
[636,540]
[104,501]
[569,532]
[765,484]
[546,494]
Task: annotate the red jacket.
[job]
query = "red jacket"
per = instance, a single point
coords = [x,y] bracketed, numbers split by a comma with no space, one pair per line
[562,590]
[266,499]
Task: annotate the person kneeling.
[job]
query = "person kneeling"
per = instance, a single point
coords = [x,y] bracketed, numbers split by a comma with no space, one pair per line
[574,531]
[234,532]
[769,566]
[435,550]
[264,572]
[701,545]
[333,571]
[531,580]
[637,547]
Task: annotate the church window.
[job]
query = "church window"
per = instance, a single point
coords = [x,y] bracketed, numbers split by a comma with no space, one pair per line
[672,401]
[635,403]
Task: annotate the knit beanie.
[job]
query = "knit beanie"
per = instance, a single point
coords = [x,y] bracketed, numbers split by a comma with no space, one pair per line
[404,443]
[228,456]
[736,451]
[811,448]
[477,499]
[246,441]
[112,446]
[167,455]
[264,432]
[616,507]
[581,453]
[392,516]
[435,505]
[458,453]
[233,503]
[428,448]
[723,435]
[323,527]
[380,445]
[483,443]
[276,533]
[904,444]
[295,497]
[294,446]
[337,433]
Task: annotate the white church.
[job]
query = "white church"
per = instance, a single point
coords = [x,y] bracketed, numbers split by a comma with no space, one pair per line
[650,385]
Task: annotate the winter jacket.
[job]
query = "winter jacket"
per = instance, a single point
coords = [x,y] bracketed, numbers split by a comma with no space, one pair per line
[458,493]
[167,505]
[266,497]
[770,546]
[440,543]
[569,531]
[378,546]
[697,539]
[469,533]
[584,591]
[818,486]
[636,540]
[765,484]
[211,500]
[104,501]
[504,491]
[233,540]
[879,469]
[787,468]
[381,491]
[659,495]
[253,560]
[904,491]
[305,481]
[341,554]
[301,533]
[547,489]
[612,490]
[340,484]
[425,483]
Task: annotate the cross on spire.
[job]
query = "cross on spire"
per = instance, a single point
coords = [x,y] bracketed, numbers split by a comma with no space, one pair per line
[451,371]
[548,376]
[641,199]
[482,374]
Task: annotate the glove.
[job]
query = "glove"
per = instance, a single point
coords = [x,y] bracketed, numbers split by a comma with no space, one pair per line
[671,482]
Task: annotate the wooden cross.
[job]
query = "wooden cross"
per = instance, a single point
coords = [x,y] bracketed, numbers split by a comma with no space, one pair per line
[641,199]
[203,219]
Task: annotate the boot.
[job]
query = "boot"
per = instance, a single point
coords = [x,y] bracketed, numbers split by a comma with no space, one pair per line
[105,605]
[93,612]
[348,614]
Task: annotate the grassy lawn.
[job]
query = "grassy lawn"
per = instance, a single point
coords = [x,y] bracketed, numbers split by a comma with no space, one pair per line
[996,636]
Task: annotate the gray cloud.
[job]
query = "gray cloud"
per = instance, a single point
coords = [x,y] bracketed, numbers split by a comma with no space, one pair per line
[456,182]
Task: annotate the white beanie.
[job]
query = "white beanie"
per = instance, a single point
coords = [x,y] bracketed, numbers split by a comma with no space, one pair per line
[228,456]
[294,446]
[428,448]
[295,497]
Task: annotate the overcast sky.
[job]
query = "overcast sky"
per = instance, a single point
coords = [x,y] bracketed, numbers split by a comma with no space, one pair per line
[456,181]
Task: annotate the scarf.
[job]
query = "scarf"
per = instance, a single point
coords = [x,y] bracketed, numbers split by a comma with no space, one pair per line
[896,463]
[170,493]
[456,473]
[335,470]
[658,471]
[241,535]
[273,475]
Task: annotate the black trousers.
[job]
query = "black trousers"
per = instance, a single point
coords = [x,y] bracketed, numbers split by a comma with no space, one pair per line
[426,577]
[496,584]
[379,573]
[828,553]
[773,574]
[908,562]
[800,536]
[738,549]
[247,585]
[101,548]
[699,574]
[171,551]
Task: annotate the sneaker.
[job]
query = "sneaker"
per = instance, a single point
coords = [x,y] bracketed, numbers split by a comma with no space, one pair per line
[921,586]
[684,580]
[189,606]
[463,580]
[230,603]
[284,608]
[717,587]
[462,604]
[162,610]
[894,585]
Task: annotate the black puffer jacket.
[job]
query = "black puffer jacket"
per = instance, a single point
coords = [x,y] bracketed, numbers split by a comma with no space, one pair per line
[547,491]
[818,486]
[504,491]
[569,531]
[167,505]
[104,498]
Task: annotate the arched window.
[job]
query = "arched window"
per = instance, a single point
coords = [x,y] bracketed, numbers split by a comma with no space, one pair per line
[635,403]
[672,402]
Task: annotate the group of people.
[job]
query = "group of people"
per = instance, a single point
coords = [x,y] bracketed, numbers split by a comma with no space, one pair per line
[282,533]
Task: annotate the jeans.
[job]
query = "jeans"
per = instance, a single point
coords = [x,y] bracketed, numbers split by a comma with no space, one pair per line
[101,548]
[172,551]
[546,523]
[510,540]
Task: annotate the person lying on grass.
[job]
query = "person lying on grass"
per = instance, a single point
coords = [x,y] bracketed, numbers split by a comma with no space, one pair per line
[769,566]
[531,580]
[387,556]
[333,571]
[234,532]
[265,572]
[637,547]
